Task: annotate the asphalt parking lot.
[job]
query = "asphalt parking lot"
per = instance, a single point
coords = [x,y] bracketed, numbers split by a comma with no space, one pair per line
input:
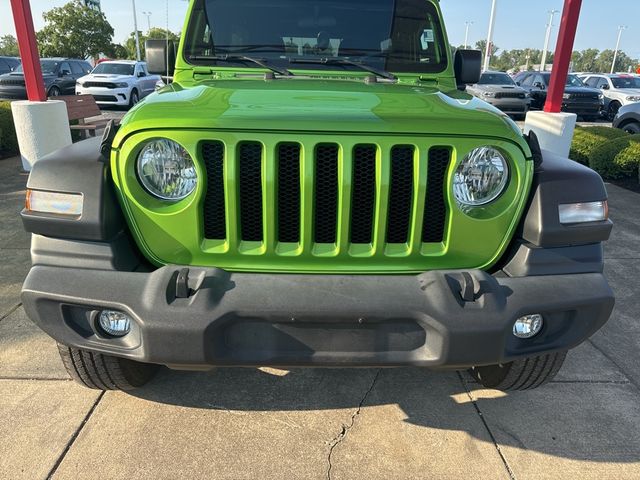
[320,424]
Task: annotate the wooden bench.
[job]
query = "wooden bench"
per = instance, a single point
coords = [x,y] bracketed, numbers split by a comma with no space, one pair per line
[80,108]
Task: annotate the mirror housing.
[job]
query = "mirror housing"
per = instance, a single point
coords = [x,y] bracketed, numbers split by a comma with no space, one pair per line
[468,67]
[605,87]
[538,85]
[157,56]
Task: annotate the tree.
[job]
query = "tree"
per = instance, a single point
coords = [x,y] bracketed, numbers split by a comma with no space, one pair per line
[482,46]
[154,34]
[74,30]
[9,46]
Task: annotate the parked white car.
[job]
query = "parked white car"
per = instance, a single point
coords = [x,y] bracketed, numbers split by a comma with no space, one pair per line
[122,82]
[618,90]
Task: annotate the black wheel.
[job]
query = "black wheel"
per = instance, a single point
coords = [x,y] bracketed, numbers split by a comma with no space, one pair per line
[612,111]
[521,374]
[54,92]
[135,98]
[632,128]
[104,372]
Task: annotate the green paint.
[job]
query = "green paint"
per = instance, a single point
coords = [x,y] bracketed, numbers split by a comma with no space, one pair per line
[236,104]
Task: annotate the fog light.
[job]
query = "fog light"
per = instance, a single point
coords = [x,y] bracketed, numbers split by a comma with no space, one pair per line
[114,323]
[583,212]
[528,326]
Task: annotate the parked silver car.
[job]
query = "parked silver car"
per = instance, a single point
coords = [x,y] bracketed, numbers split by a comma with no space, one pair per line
[499,89]
[618,90]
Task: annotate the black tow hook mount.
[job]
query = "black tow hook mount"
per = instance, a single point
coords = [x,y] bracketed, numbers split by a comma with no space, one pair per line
[182,284]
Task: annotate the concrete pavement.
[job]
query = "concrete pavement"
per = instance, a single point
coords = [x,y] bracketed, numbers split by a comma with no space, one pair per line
[318,424]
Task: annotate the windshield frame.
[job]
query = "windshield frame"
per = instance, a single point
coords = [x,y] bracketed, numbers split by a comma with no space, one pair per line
[511,82]
[131,66]
[635,80]
[444,53]
[43,61]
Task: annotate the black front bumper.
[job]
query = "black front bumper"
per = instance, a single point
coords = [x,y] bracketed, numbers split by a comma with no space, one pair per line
[313,320]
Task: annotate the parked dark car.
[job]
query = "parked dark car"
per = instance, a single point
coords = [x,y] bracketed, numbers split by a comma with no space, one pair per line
[579,99]
[628,118]
[60,75]
[8,64]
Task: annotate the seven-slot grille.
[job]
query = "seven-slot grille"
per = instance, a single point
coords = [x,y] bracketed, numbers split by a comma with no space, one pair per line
[342,182]
[584,96]
[510,95]
[99,85]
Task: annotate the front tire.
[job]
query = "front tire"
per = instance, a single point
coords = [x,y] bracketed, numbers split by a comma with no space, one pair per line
[54,92]
[134,98]
[104,372]
[524,374]
[612,111]
[632,128]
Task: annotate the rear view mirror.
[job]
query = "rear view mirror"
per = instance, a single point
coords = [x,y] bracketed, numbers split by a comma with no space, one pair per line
[468,67]
[159,52]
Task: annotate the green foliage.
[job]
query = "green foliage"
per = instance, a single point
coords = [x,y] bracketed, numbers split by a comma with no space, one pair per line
[590,60]
[154,33]
[9,46]
[8,140]
[74,30]
[587,139]
[617,158]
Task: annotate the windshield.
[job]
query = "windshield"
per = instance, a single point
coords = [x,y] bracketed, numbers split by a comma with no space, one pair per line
[396,35]
[573,81]
[114,69]
[48,67]
[625,82]
[495,79]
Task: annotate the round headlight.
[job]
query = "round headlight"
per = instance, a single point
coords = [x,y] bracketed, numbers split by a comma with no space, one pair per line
[166,170]
[481,177]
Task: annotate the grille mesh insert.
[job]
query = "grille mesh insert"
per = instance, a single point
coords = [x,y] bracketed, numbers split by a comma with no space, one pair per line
[435,210]
[400,194]
[250,173]
[364,193]
[289,192]
[326,194]
[214,212]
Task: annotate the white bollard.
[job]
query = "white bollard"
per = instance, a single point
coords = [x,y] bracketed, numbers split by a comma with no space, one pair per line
[554,130]
[41,128]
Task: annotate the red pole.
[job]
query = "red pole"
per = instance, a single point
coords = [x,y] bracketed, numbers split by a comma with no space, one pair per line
[562,60]
[28,50]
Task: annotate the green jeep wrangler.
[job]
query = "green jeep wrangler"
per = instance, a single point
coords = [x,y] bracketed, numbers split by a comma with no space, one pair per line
[315,189]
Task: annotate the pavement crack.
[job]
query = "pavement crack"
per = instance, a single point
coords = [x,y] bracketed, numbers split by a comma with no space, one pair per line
[512,476]
[345,428]
[11,310]
[73,438]
[618,366]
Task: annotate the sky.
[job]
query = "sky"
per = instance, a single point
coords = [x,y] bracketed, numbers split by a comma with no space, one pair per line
[519,23]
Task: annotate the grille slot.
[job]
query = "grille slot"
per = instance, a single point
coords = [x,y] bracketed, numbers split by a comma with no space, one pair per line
[435,210]
[364,193]
[289,192]
[214,207]
[326,194]
[250,167]
[400,194]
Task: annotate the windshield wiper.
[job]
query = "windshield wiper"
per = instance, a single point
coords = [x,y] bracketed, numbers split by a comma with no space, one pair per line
[345,61]
[228,57]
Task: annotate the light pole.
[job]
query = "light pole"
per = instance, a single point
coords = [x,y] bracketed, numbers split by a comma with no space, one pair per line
[547,39]
[148,15]
[466,33]
[492,22]
[621,28]
[135,26]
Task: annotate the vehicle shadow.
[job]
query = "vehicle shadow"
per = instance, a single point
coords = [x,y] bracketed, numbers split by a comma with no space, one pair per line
[556,420]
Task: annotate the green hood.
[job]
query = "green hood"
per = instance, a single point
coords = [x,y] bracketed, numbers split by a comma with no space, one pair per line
[306,105]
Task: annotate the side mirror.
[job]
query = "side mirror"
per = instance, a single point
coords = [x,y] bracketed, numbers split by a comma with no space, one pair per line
[539,85]
[141,74]
[468,67]
[158,52]
[518,84]
[605,87]
[65,73]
